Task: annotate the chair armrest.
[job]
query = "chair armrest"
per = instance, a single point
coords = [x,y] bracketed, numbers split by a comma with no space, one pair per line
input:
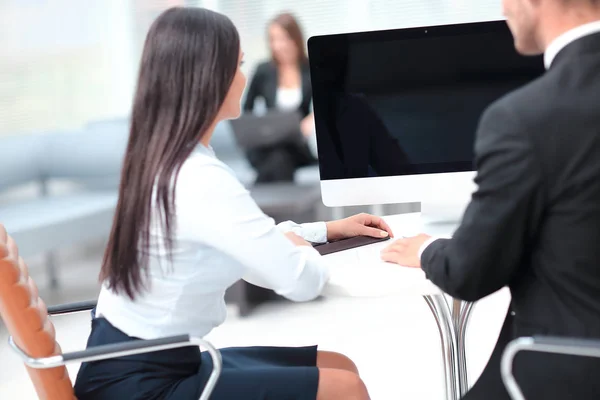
[542,344]
[568,346]
[72,307]
[109,351]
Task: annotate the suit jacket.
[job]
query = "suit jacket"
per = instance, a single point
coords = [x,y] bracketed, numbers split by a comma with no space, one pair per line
[264,84]
[534,225]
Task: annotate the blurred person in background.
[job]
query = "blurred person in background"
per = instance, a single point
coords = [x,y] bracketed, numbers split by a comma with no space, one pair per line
[283,82]
[185,229]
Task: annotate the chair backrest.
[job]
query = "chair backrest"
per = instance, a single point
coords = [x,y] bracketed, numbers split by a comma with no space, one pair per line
[92,156]
[19,160]
[26,317]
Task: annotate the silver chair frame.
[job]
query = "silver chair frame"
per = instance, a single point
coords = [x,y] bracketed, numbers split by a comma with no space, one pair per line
[109,351]
[542,344]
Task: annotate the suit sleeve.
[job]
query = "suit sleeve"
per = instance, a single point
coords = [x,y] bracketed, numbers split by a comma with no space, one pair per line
[499,224]
[253,90]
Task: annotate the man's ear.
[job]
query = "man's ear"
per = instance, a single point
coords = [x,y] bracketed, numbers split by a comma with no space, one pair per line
[538,3]
[535,5]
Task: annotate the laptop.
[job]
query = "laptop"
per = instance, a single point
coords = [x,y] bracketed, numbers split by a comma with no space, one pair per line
[252,131]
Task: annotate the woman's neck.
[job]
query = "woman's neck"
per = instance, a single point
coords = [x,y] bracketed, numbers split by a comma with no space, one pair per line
[205,141]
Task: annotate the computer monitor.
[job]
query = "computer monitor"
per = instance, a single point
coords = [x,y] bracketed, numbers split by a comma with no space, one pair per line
[396,111]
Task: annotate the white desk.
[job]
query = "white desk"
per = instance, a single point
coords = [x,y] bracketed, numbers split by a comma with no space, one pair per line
[361,273]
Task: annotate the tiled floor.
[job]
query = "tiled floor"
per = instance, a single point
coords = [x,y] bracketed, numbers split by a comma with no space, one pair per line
[394,341]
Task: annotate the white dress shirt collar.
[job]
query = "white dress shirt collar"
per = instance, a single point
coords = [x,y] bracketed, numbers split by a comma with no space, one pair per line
[567,38]
[203,149]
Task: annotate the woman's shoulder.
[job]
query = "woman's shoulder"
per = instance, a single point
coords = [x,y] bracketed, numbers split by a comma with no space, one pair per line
[204,165]
[265,68]
[205,170]
[206,188]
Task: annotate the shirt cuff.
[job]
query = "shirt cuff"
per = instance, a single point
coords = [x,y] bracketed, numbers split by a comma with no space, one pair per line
[313,255]
[426,244]
[314,232]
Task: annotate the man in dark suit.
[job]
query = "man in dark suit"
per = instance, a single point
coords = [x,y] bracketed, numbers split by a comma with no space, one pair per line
[534,222]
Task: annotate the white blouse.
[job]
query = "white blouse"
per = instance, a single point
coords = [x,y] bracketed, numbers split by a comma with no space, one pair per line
[288,99]
[221,236]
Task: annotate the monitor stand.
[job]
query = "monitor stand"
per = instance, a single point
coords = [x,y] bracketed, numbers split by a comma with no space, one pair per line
[441,218]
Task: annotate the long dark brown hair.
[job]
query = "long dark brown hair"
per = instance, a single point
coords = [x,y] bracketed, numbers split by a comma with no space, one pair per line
[189,60]
[290,24]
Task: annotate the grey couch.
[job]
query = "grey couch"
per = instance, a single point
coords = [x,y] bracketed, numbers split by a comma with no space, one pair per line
[72,179]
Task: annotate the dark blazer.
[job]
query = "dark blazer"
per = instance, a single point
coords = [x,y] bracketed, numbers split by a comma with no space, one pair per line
[264,84]
[534,225]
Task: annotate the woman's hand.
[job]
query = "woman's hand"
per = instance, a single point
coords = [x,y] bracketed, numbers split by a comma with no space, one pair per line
[358,225]
[307,125]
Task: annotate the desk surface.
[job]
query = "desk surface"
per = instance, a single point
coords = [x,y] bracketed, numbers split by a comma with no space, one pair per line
[360,272]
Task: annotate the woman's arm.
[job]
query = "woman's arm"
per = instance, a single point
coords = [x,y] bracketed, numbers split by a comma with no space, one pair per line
[215,209]
[356,225]
[314,232]
[307,125]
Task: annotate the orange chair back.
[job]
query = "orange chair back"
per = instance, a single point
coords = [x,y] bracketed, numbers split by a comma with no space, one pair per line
[26,317]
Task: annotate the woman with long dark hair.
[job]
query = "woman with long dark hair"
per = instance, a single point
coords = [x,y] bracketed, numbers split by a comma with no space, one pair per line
[185,230]
[283,82]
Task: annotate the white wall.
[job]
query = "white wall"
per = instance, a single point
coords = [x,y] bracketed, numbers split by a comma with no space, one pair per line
[65,62]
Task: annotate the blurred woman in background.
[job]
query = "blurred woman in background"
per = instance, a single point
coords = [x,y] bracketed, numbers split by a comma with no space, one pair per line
[283,83]
[185,229]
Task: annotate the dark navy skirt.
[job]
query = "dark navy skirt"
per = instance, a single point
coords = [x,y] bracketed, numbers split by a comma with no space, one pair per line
[251,373]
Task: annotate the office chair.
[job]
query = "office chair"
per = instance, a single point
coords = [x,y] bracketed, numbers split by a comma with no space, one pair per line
[542,344]
[33,336]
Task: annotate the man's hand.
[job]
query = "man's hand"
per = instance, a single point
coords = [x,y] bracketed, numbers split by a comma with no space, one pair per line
[358,225]
[296,240]
[405,251]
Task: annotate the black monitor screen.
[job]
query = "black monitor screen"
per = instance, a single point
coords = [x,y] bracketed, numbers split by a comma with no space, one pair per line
[408,101]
